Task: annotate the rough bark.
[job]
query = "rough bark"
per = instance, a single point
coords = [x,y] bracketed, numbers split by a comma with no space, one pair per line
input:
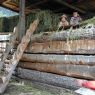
[63,35]
[51,79]
[53,58]
[21,19]
[80,71]
[72,47]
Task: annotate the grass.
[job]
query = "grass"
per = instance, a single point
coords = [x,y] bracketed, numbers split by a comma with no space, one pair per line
[26,88]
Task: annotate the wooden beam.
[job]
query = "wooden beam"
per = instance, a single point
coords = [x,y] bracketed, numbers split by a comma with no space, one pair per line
[21,19]
[11,3]
[14,8]
[1,1]
[59,9]
[10,6]
[70,6]
[38,3]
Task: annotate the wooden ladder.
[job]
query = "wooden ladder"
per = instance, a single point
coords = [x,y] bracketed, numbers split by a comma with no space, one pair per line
[8,71]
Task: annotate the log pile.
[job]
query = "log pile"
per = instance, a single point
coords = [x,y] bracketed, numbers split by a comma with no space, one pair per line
[70,65]
[79,41]
[70,53]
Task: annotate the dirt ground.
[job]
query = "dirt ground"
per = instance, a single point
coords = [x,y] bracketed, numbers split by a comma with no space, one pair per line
[25,88]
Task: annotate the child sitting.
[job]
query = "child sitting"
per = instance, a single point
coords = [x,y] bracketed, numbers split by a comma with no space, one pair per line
[64,24]
[75,20]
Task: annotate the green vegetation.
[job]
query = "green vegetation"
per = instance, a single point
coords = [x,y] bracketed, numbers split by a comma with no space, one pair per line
[24,87]
[18,89]
[7,24]
[4,27]
[12,22]
[89,21]
[48,20]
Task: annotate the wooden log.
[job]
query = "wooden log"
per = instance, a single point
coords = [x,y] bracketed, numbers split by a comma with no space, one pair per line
[62,69]
[52,58]
[72,47]
[64,35]
[51,79]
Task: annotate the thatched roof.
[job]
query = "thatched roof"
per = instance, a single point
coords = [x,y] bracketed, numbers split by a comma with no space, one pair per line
[64,6]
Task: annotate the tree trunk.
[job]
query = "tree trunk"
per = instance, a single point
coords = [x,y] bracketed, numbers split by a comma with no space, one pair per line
[65,59]
[51,79]
[63,47]
[63,35]
[80,71]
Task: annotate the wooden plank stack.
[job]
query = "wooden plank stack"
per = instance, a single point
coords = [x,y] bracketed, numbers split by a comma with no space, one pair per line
[69,53]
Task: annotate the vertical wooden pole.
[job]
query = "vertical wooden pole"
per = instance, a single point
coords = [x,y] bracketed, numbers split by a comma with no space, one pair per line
[21,19]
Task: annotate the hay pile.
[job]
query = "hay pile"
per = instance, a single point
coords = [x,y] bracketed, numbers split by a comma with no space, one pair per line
[48,21]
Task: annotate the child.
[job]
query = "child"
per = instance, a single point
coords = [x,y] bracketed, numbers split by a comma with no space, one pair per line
[64,23]
[75,20]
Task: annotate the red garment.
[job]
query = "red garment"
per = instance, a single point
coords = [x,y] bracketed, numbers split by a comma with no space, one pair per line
[89,84]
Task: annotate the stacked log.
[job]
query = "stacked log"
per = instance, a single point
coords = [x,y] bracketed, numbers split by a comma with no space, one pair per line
[69,53]
[64,35]
[59,59]
[50,79]
[85,46]
[78,41]
[70,65]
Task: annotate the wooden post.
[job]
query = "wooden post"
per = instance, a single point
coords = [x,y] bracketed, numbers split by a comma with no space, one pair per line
[21,19]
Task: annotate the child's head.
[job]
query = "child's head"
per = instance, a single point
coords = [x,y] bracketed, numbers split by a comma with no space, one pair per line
[63,17]
[75,14]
